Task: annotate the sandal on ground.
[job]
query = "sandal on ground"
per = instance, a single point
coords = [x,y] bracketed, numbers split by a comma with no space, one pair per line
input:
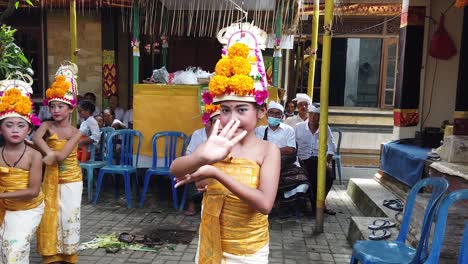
[380,234]
[394,204]
[126,237]
[381,224]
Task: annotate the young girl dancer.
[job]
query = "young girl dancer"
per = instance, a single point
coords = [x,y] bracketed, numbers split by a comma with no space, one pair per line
[242,170]
[21,199]
[59,231]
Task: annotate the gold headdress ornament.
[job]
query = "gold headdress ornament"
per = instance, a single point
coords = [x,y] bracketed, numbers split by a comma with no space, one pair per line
[240,73]
[65,87]
[15,100]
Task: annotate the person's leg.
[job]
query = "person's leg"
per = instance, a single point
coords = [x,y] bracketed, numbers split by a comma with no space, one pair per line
[310,166]
[190,201]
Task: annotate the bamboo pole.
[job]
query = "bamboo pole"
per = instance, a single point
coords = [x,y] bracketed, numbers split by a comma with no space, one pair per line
[323,128]
[136,31]
[278,36]
[73,47]
[314,46]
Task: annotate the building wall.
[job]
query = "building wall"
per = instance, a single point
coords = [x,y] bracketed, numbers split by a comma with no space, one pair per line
[90,48]
[443,78]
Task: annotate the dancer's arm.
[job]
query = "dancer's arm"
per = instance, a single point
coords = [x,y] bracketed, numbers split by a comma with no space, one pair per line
[38,138]
[261,199]
[69,146]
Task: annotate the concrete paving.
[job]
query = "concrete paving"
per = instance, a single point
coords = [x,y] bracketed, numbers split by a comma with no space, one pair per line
[291,240]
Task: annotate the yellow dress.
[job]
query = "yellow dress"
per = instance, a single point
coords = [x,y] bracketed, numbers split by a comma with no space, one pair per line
[18,218]
[228,224]
[58,236]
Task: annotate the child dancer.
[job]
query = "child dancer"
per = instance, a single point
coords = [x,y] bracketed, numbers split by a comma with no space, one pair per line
[59,231]
[21,199]
[242,170]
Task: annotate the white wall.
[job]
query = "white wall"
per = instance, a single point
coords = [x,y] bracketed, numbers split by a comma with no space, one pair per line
[444,81]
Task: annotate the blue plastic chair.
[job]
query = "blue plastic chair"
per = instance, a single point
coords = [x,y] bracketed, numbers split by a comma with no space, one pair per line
[125,166]
[439,230]
[397,251]
[170,153]
[96,162]
[463,255]
[337,156]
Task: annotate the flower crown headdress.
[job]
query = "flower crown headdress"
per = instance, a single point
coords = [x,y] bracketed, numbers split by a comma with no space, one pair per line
[240,73]
[15,100]
[64,88]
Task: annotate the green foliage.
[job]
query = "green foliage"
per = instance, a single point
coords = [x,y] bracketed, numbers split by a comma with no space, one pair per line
[17,3]
[11,56]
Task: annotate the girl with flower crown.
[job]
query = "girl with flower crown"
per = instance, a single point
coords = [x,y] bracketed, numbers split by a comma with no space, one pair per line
[58,235]
[21,198]
[241,171]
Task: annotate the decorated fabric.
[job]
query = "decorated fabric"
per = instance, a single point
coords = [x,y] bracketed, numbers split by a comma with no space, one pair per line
[19,218]
[240,73]
[65,87]
[16,233]
[58,235]
[15,100]
[228,224]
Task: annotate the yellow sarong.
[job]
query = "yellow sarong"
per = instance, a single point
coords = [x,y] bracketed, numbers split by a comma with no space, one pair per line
[58,235]
[19,218]
[228,224]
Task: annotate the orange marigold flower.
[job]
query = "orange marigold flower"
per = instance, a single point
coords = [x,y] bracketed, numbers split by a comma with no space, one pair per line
[59,87]
[223,67]
[13,100]
[218,85]
[240,66]
[238,49]
[212,108]
[241,84]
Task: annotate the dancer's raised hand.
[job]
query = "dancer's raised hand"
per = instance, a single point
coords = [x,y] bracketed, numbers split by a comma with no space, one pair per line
[219,144]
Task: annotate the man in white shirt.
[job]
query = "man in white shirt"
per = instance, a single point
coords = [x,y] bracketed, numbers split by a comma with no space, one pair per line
[307,137]
[303,102]
[89,127]
[277,132]
[114,106]
[293,183]
[128,116]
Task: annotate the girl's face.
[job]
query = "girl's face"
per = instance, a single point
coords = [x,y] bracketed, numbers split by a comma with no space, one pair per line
[60,111]
[14,129]
[245,112]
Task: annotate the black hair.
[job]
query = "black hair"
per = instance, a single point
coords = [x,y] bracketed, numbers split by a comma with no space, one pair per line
[87,106]
[113,95]
[91,95]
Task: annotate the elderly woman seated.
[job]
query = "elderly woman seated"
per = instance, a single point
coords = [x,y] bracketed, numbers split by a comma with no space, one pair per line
[293,183]
[110,120]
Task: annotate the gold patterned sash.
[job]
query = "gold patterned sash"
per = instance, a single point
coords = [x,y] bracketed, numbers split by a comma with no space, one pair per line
[229,224]
[67,171]
[13,179]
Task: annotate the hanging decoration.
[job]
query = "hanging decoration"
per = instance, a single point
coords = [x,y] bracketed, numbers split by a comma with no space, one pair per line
[135,44]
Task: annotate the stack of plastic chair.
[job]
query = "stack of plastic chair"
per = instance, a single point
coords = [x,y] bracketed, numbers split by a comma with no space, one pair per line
[365,251]
[125,165]
[171,138]
[96,162]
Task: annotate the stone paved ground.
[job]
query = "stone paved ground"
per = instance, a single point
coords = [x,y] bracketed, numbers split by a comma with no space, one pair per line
[291,241]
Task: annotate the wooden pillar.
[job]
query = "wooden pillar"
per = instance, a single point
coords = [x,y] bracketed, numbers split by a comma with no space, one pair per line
[405,114]
[461,103]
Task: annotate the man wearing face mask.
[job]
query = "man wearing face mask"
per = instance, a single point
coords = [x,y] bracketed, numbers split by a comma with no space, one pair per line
[293,183]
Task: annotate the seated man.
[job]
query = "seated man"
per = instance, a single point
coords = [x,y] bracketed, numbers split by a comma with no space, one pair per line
[293,183]
[198,137]
[303,101]
[307,137]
